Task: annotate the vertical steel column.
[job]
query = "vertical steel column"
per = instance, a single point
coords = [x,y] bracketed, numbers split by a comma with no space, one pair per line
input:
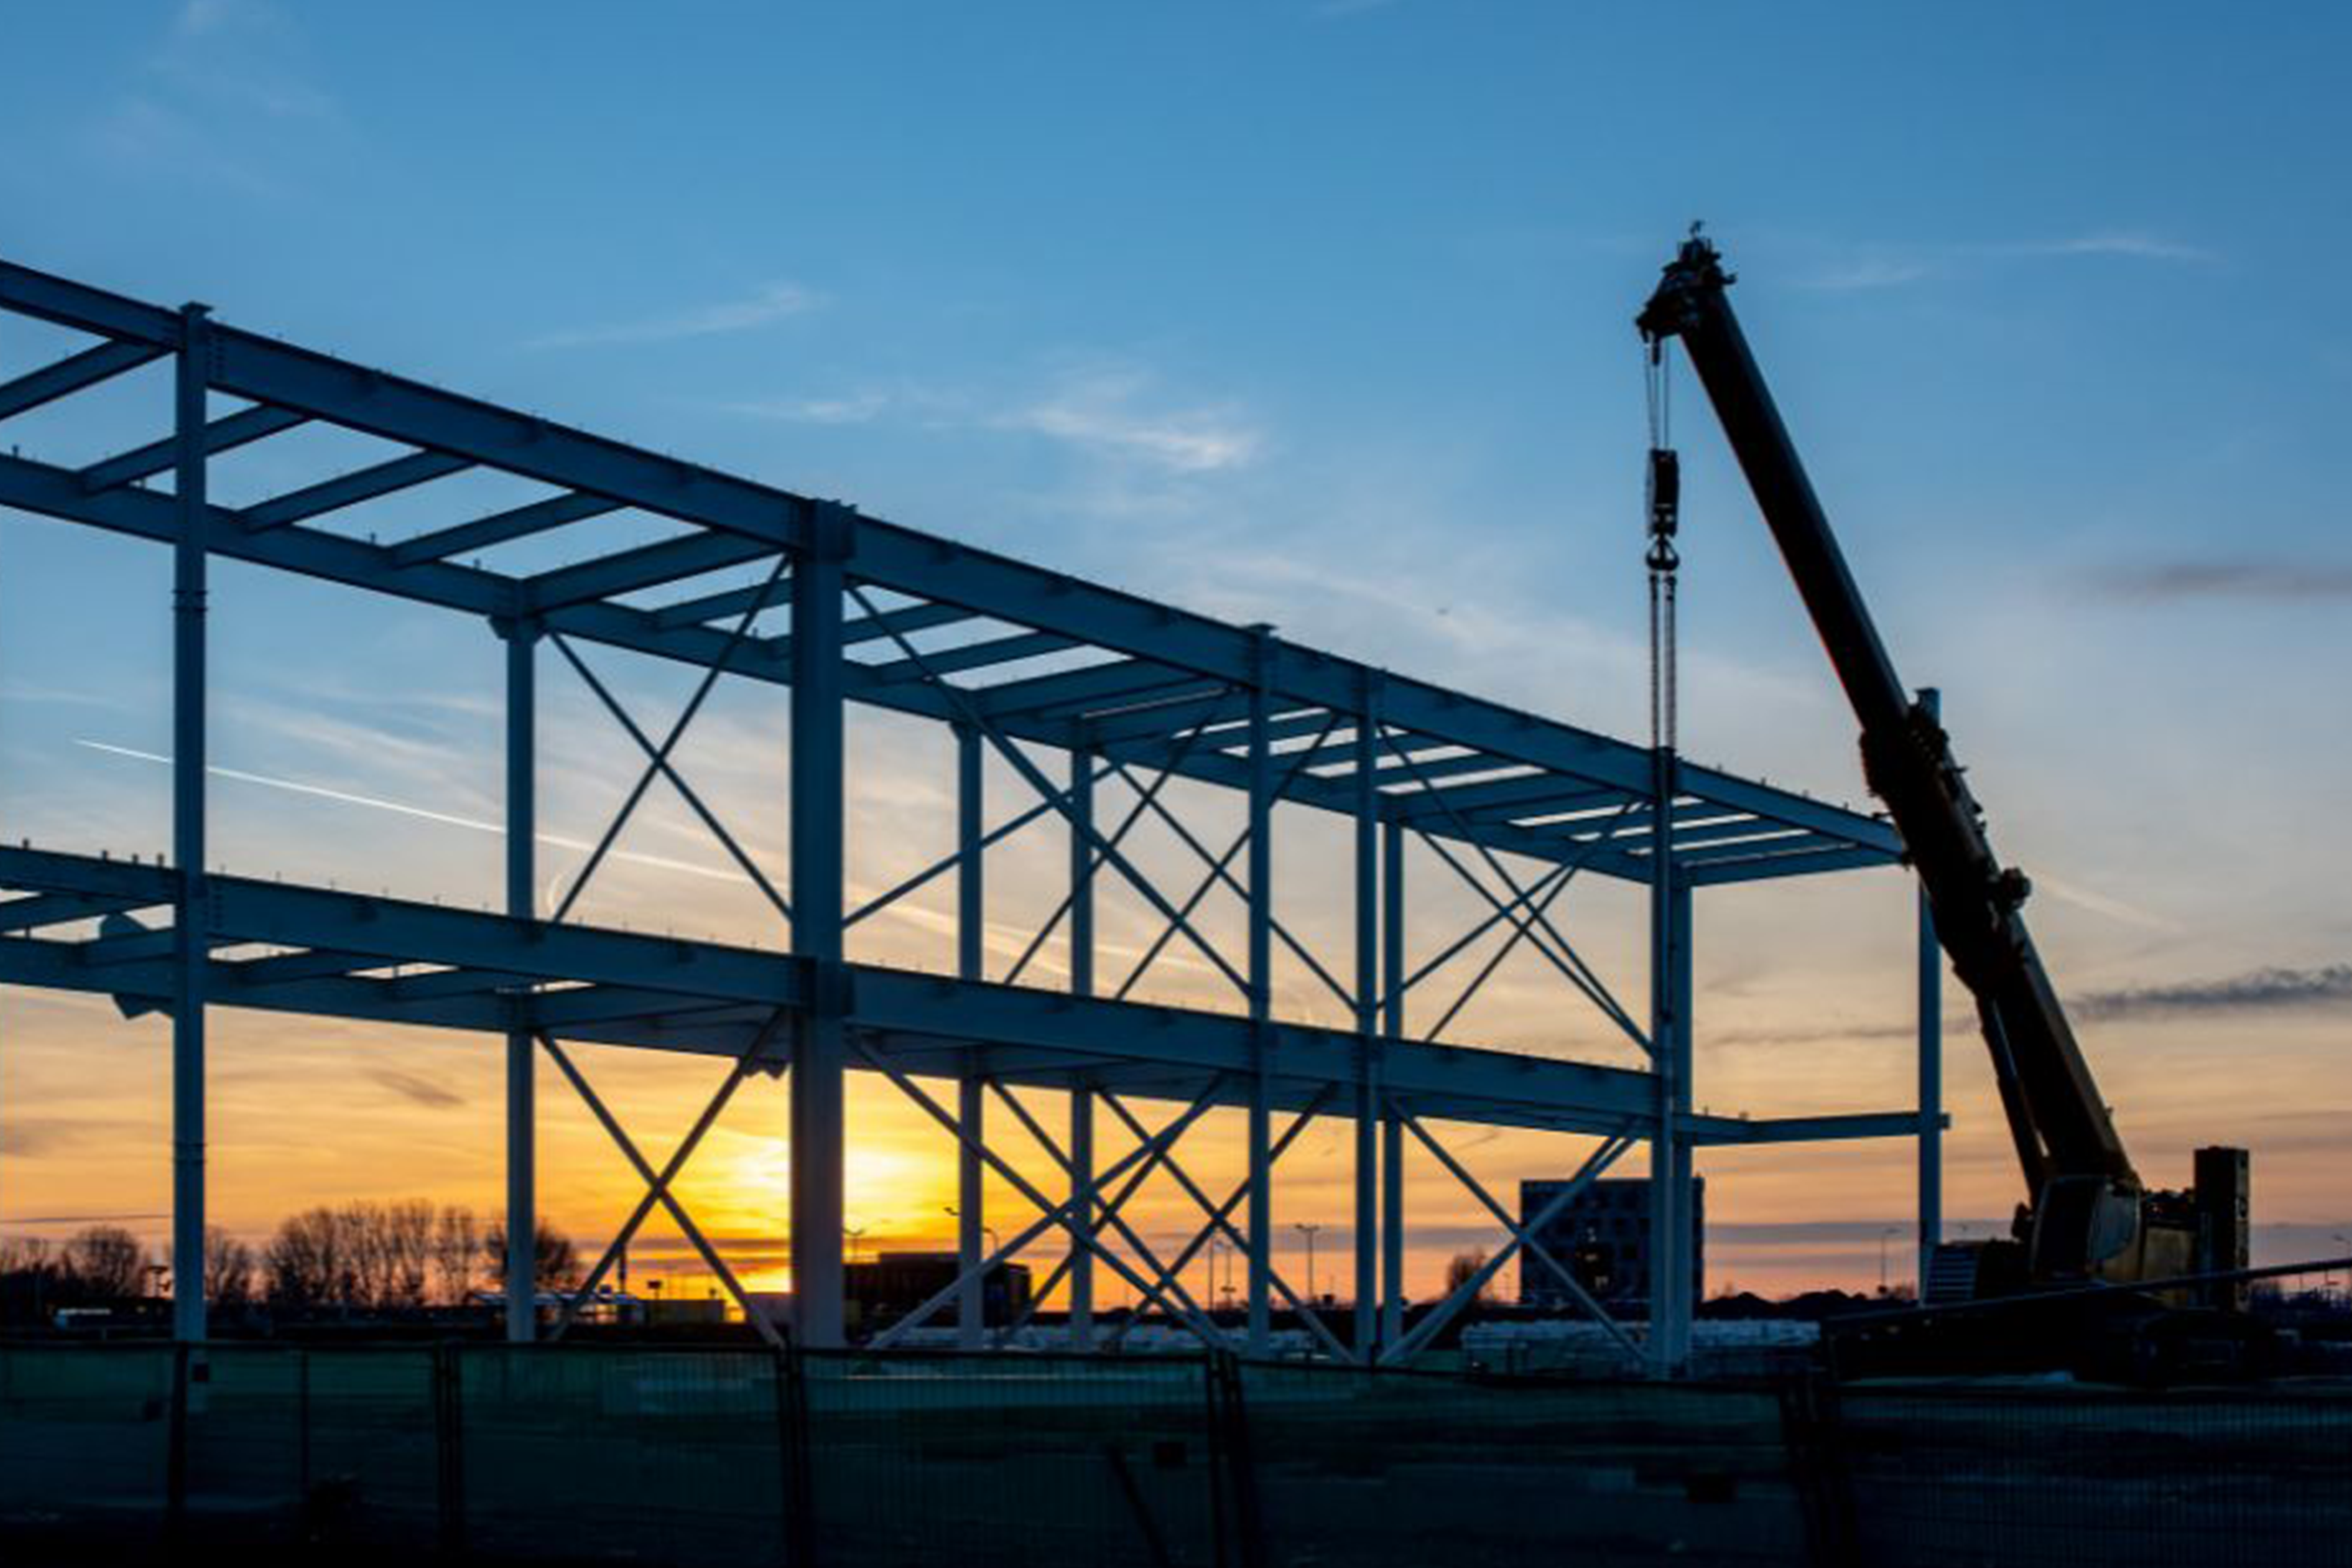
[1391,1124]
[1669,1199]
[1931,1066]
[1082,1098]
[1683,1254]
[972,1303]
[1261,1000]
[1367,1023]
[522,901]
[818,821]
[189,572]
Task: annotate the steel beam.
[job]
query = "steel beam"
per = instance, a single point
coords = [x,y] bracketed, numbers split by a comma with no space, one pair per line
[223,435]
[971,917]
[522,904]
[819,1140]
[501,528]
[1367,893]
[1393,982]
[72,374]
[193,910]
[1931,1062]
[350,489]
[1082,1102]
[1261,998]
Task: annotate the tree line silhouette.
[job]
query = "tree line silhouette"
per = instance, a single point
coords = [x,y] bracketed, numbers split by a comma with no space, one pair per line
[402,1256]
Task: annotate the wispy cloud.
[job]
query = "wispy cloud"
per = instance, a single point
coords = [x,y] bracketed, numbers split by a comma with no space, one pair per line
[1111,409]
[1108,412]
[770,303]
[1876,267]
[2266,990]
[2256,990]
[216,98]
[415,1089]
[2137,244]
[853,408]
[1869,272]
[2265,580]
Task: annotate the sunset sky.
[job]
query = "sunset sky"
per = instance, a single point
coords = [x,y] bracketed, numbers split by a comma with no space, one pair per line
[1309,313]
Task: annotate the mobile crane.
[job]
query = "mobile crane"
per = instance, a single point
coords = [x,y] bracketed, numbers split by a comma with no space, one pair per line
[2088,1218]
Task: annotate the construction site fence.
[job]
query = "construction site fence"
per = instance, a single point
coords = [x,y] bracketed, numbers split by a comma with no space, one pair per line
[280,1452]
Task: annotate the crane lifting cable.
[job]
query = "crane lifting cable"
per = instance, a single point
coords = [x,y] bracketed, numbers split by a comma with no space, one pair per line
[1663,484]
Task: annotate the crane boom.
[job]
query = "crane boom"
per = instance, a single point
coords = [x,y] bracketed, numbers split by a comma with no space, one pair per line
[2089,1209]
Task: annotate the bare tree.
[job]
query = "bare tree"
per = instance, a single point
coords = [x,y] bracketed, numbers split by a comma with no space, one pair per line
[228,1268]
[307,1263]
[456,1254]
[407,1228]
[1463,1268]
[555,1263]
[106,1263]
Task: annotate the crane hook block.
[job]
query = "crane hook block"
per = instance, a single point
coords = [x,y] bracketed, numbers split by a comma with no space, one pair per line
[1665,491]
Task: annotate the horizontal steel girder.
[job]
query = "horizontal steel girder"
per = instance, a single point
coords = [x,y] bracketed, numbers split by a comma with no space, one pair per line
[745,519]
[662,993]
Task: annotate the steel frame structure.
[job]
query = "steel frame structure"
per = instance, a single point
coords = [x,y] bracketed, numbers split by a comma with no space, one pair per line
[1017,660]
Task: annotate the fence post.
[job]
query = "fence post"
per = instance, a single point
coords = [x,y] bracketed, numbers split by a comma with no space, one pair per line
[449,1453]
[796,1494]
[302,1430]
[1817,1469]
[176,1462]
[1229,1448]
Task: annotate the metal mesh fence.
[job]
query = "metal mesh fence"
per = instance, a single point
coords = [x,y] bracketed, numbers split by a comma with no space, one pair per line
[694,1455]
[1946,1478]
[1386,1468]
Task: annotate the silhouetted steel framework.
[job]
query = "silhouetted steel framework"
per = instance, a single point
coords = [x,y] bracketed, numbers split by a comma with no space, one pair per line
[1013,658]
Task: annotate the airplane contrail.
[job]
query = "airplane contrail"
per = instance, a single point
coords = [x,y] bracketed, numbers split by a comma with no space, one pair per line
[423,813]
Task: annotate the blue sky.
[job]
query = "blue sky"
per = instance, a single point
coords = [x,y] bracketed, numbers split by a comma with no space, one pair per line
[1319,313]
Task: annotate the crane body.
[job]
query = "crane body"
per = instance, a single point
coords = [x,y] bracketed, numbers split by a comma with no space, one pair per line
[2088,1214]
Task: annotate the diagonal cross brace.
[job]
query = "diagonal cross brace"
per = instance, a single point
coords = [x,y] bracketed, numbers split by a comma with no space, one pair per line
[1218,873]
[1165,1153]
[657,1183]
[660,763]
[736,1072]
[1145,800]
[1535,1248]
[1125,1232]
[1219,1221]
[972,714]
[1059,1213]
[940,867]
[1298,1124]
[1467,1291]
[1216,870]
[1052,1215]
[1577,971]
[659,760]
[1519,933]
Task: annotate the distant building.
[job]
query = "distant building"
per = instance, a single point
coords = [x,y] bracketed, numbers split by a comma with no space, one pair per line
[1603,1237]
[881,1291]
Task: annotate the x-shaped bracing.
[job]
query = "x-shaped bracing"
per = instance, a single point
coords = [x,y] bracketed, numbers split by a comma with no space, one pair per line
[658,764]
[1052,1215]
[1527,908]
[658,1183]
[1521,1236]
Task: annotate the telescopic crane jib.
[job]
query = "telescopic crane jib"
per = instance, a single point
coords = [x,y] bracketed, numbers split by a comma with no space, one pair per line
[2089,1215]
